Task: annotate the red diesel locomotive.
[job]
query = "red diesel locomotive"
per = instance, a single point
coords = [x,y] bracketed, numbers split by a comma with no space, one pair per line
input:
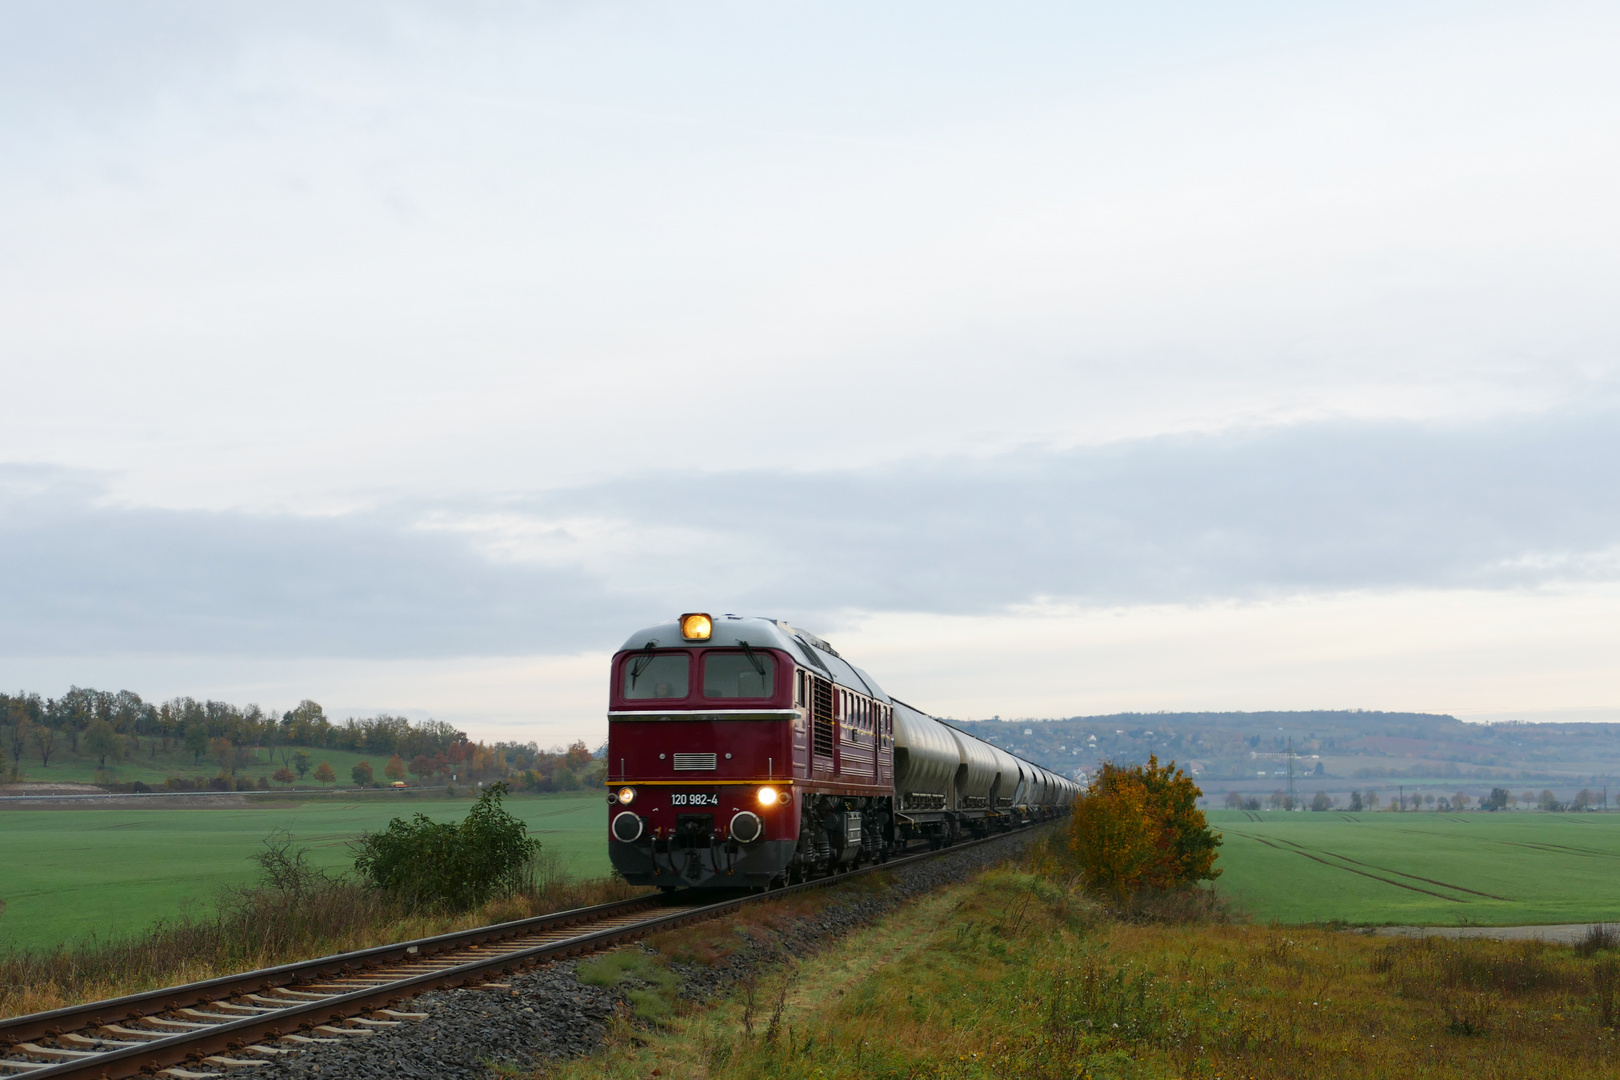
[745,753]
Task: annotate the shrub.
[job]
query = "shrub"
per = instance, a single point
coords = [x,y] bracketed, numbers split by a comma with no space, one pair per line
[447,865]
[361,773]
[1139,827]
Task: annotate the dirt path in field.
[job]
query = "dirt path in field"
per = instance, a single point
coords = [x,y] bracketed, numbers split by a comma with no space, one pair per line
[1557,933]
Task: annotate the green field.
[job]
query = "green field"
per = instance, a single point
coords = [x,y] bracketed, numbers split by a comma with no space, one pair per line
[67,874]
[1422,868]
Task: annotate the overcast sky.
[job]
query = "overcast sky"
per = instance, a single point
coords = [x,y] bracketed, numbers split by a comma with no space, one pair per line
[1063,359]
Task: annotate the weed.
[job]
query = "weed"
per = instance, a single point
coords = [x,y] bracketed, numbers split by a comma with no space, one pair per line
[651,988]
[1468,1013]
[779,1006]
[1599,937]
[1605,990]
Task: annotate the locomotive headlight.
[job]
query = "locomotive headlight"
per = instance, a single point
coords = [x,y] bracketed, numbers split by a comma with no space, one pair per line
[627,795]
[768,796]
[696,626]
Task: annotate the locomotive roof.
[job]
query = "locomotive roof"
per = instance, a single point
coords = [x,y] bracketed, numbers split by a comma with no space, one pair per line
[730,631]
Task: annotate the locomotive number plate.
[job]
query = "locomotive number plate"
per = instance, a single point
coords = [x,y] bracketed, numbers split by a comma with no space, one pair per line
[694,798]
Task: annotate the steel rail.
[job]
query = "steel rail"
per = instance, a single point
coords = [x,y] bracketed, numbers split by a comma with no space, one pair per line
[34,1025]
[297,1016]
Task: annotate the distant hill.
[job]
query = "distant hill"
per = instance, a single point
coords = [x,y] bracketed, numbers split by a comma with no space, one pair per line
[1332,750]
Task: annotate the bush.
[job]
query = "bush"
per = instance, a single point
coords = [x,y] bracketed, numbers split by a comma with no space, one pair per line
[444,865]
[1139,827]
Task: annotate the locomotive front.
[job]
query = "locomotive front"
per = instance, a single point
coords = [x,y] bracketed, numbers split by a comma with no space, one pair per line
[701,725]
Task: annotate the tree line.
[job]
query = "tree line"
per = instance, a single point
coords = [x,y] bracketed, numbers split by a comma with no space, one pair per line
[114,726]
[1499,799]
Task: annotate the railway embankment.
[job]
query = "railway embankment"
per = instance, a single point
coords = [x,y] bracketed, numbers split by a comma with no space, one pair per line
[529,1023]
[1017,974]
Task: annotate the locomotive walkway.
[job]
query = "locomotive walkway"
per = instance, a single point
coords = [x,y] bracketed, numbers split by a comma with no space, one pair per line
[239,1023]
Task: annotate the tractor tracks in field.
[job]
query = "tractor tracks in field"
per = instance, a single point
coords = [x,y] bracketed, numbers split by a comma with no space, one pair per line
[1316,855]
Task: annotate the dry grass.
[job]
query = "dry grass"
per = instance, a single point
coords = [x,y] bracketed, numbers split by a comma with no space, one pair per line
[1018,975]
[293,914]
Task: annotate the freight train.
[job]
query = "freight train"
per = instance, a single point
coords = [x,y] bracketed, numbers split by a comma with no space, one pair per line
[745,753]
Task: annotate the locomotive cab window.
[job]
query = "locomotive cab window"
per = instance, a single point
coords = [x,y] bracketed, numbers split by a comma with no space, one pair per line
[656,675]
[739,675]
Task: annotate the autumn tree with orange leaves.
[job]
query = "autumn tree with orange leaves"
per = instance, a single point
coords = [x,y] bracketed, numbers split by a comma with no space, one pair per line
[1139,827]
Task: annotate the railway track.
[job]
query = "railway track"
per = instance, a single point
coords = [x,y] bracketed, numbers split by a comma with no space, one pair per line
[237,1023]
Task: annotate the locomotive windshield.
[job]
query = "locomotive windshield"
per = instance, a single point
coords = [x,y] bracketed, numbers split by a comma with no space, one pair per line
[654,675]
[739,675]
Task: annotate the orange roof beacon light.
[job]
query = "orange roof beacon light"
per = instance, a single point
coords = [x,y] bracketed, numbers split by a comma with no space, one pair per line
[696,626]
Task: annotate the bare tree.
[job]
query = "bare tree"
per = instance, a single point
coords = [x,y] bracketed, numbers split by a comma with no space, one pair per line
[45,739]
[19,736]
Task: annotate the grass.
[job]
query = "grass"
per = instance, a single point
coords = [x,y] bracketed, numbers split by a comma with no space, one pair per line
[73,874]
[1017,975]
[1421,868]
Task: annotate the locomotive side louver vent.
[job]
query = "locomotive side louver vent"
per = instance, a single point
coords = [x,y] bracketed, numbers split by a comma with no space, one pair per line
[690,762]
[821,708]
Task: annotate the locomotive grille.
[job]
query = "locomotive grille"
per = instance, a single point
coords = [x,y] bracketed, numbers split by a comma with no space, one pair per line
[689,762]
[821,707]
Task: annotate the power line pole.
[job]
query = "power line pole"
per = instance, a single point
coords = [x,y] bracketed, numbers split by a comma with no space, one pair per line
[1291,801]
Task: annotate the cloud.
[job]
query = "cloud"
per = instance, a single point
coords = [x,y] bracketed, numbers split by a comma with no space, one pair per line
[1276,512]
[1281,511]
[83,577]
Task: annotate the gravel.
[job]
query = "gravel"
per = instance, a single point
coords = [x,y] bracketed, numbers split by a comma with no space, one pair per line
[548,1013]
